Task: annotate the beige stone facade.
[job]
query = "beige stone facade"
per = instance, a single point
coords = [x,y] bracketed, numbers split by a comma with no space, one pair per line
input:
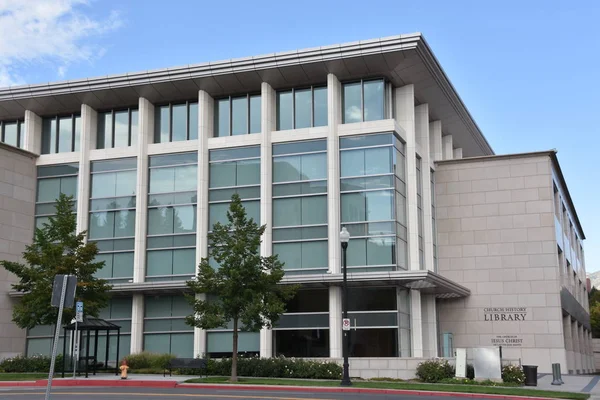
[17,199]
[498,236]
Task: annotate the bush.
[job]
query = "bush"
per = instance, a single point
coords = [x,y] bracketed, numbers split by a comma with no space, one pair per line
[36,363]
[436,370]
[513,374]
[278,367]
[147,360]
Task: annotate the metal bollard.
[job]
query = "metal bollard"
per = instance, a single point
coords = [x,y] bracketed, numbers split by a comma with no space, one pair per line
[556,379]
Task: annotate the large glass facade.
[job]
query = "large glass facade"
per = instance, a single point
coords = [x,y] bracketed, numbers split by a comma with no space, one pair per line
[363,101]
[303,331]
[237,115]
[302,108]
[401,224]
[300,206]
[39,340]
[112,216]
[12,132]
[233,171]
[165,330]
[53,180]
[117,128]
[61,134]
[176,122]
[119,313]
[172,198]
[369,166]
[375,321]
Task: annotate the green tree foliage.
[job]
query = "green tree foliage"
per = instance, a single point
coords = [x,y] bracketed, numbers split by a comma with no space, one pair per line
[57,249]
[595,320]
[245,288]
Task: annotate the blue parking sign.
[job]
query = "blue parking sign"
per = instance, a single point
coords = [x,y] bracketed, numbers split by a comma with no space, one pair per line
[79,307]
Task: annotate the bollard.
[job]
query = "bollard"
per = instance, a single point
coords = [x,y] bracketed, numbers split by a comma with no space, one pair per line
[559,374]
[556,380]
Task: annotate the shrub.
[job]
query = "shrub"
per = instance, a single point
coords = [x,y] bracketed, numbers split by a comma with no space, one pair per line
[147,360]
[434,370]
[513,374]
[277,367]
[36,363]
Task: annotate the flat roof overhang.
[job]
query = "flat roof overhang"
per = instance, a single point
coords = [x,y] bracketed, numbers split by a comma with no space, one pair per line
[426,282]
[403,59]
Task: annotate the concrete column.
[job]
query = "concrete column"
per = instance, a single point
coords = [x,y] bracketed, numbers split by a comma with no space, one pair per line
[89,128]
[205,130]
[335,322]
[591,353]
[447,147]
[405,116]
[416,324]
[334,114]
[458,153]
[146,133]
[137,324]
[268,120]
[568,337]
[32,137]
[435,140]
[422,131]
[429,326]
[582,349]
[576,354]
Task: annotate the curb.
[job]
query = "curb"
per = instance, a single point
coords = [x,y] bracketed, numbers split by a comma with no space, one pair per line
[322,389]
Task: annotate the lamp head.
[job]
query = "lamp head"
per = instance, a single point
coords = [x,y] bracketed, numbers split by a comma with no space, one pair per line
[344,235]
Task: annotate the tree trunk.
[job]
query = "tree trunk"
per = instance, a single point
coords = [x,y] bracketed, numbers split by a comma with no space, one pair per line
[234,357]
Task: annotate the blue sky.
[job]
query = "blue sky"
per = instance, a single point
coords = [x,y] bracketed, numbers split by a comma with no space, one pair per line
[527,70]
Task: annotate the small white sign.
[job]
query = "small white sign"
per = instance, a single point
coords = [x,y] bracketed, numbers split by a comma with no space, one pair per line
[79,316]
[346,324]
[461,363]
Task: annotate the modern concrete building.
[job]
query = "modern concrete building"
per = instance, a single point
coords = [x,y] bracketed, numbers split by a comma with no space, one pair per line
[451,245]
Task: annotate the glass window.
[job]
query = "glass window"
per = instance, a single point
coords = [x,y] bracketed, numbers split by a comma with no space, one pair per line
[222,118]
[61,134]
[285,111]
[134,127]
[11,132]
[320,117]
[104,131]
[176,122]
[255,113]
[237,115]
[122,129]
[364,101]
[302,108]
[352,103]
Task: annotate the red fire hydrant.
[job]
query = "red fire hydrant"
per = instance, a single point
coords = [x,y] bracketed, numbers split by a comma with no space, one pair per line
[124,367]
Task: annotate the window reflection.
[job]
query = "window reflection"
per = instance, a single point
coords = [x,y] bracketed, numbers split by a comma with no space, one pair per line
[364,101]
[301,108]
[237,115]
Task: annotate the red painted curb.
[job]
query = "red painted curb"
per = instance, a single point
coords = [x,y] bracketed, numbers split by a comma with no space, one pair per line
[89,383]
[312,389]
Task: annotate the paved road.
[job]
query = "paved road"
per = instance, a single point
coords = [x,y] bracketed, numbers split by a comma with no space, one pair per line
[76,393]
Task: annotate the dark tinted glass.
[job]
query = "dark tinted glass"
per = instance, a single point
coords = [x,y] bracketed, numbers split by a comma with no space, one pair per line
[234,153]
[366,140]
[114,165]
[309,301]
[174,159]
[300,147]
[371,299]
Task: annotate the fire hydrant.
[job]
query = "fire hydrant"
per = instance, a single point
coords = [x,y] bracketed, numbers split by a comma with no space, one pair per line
[124,367]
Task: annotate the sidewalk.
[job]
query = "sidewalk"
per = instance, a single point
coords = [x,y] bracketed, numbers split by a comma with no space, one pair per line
[572,383]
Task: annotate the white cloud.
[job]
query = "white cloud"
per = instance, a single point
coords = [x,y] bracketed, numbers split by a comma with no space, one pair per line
[54,32]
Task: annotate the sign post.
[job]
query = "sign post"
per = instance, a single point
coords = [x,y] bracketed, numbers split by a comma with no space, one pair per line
[63,294]
[78,318]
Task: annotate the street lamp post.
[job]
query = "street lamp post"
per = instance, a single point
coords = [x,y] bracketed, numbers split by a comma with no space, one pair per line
[344,239]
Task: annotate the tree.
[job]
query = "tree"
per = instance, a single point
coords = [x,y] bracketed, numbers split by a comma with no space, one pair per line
[57,249]
[595,320]
[245,288]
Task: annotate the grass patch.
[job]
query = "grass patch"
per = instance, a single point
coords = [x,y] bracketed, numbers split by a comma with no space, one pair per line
[507,391]
[22,377]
